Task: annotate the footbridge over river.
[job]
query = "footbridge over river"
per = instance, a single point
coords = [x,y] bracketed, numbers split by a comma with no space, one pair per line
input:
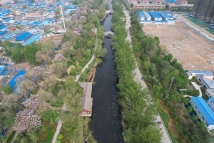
[109,11]
[108,33]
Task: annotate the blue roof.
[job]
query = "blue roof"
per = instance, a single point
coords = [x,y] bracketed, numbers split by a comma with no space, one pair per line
[204,109]
[155,15]
[3,33]
[140,14]
[2,26]
[23,36]
[32,39]
[198,72]
[170,0]
[212,99]
[2,68]
[13,81]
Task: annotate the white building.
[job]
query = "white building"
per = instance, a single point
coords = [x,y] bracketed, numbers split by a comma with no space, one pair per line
[194,73]
[210,102]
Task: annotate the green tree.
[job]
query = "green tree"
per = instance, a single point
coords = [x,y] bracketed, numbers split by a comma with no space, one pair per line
[6,89]
[30,53]
[17,55]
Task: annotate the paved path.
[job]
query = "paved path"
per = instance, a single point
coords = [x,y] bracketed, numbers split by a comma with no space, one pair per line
[138,78]
[197,87]
[64,105]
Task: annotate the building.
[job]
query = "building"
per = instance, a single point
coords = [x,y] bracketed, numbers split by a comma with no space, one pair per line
[141,16]
[206,82]
[149,6]
[155,16]
[210,92]
[86,99]
[157,2]
[144,1]
[180,2]
[147,16]
[195,73]
[204,10]
[170,1]
[210,102]
[204,112]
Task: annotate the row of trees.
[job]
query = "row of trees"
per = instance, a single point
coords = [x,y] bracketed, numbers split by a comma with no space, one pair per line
[137,110]
[164,76]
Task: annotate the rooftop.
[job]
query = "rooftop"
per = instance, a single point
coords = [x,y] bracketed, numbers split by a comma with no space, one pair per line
[204,109]
[199,72]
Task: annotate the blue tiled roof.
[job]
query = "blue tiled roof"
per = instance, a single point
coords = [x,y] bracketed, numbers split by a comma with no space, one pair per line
[155,15]
[140,14]
[198,72]
[204,109]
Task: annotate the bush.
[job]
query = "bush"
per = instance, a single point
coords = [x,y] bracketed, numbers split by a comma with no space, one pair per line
[6,89]
[60,136]
[11,137]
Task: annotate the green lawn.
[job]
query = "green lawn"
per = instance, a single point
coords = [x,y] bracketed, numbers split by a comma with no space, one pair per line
[165,118]
[49,123]
[198,22]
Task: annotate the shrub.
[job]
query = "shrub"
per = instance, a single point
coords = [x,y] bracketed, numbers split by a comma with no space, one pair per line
[6,89]
[60,136]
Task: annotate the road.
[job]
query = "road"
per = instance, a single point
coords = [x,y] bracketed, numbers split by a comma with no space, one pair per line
[138,78]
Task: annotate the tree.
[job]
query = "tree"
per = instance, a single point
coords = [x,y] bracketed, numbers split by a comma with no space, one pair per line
[25,86]
[17,55]
[27,119]
[59,68]
[30,53]
[8,108]
[46,52]
[6,89]
[189,109]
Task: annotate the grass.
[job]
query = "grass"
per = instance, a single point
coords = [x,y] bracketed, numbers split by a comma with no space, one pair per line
[11,137]
[49,123]
[199,23]
[165,119]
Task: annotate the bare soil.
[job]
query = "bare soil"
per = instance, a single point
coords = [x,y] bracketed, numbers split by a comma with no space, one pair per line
[191,50]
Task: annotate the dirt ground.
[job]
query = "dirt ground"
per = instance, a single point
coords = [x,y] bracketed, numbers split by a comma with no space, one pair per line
[191,50]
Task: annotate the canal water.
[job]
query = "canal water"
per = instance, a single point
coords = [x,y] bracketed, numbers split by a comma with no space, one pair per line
[106,120]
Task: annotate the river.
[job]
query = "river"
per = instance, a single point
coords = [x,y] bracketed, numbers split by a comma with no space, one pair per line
[106,119]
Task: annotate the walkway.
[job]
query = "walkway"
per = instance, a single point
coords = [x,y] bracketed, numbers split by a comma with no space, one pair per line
[64,106]
[197,87]
[138,78]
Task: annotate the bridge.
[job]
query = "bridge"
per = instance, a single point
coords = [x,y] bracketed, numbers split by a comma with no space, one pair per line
[109,11]
[108,33]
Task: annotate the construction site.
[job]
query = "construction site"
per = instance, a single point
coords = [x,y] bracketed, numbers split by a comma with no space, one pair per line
[186,45]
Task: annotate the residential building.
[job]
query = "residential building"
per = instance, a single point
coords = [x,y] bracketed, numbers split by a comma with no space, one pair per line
[210,102]
[157,2]
[86,99]
[144,1]
[204,112]
[149,6]
[204,9]
[180,2]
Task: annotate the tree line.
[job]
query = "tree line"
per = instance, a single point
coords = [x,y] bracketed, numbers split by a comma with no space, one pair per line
[137,110]
[164,76]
